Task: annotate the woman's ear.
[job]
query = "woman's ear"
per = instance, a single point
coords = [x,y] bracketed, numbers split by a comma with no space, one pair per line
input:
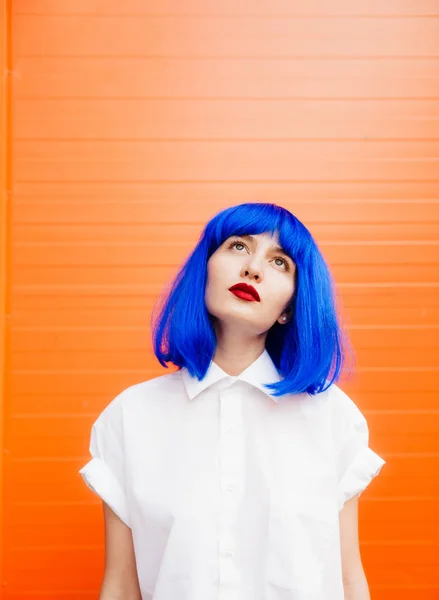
[283,319]
[285,316]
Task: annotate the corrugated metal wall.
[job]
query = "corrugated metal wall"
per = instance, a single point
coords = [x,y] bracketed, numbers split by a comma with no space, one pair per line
[133,123]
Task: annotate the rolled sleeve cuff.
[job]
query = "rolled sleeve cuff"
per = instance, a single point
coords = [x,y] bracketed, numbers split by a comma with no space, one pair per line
[101,480]
[366,465]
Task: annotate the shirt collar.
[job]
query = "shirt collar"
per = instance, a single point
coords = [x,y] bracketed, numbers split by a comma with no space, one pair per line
[261,371]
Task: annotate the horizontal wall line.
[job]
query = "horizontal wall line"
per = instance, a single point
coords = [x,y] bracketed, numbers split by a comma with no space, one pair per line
[243,98]
[224,139]
[215,181]
[264,57]
[231,16]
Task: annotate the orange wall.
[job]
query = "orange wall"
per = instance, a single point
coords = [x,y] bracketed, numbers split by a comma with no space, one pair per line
[5,61]
[133,123]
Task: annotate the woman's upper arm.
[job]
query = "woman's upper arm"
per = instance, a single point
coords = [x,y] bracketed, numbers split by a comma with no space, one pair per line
[106,475]
[120,581]
[350,549]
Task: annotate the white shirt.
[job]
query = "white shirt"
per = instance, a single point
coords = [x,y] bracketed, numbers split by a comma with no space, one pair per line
[231,493]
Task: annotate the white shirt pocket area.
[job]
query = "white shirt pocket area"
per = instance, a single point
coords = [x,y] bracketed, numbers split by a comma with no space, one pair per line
[356,463]
[104,473]
[303,530]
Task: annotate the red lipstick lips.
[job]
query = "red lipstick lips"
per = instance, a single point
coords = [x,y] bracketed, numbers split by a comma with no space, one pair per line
[246,292]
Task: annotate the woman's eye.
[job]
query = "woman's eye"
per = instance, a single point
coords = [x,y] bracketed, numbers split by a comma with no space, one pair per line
[235,244]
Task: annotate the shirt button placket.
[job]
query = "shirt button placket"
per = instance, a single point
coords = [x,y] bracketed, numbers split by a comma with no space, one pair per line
[231,472]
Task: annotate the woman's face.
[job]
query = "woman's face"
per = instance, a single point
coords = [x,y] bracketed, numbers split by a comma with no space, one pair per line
[252,260]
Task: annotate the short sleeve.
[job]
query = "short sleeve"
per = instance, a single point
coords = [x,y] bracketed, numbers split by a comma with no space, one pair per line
[104,474]
[356,463]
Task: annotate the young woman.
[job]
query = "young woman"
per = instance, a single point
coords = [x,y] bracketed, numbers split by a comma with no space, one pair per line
[237,476]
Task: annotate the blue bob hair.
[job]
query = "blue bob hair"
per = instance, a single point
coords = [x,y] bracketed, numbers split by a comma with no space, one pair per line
[308,351]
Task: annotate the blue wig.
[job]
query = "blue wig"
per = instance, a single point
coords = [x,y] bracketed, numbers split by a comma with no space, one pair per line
[307,351]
